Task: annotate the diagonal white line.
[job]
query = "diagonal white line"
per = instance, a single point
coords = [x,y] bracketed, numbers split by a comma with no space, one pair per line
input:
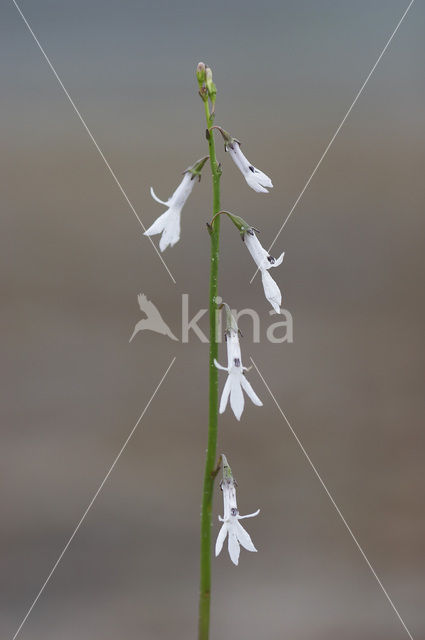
[111,468]
[337,509]
[102,155]
[322,157]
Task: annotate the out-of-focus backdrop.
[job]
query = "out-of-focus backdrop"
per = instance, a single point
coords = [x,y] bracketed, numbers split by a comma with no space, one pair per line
[73,259]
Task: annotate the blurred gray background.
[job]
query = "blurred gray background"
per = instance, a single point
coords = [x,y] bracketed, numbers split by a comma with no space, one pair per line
[74,259]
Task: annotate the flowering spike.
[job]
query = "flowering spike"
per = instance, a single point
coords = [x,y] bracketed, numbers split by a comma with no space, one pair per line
[237,536]
[236,380]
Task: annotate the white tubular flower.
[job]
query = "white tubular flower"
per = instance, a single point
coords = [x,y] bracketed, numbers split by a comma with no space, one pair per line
[169,222]
[236,380]
[256,179]
[265,262]
[231,525]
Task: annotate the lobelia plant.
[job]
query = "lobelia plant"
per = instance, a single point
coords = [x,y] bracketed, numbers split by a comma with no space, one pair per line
[168,224]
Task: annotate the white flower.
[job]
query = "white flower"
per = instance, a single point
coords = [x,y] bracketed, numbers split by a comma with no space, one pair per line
[236,380]
[231,525]
[169,222]
[265,262]
[256,179]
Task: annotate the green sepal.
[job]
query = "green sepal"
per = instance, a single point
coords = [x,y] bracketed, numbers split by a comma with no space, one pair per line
[240,223]
[231,324]
[196,168]
[229,140]
[227,472]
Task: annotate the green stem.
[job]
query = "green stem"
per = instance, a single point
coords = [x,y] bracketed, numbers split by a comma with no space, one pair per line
[211,454]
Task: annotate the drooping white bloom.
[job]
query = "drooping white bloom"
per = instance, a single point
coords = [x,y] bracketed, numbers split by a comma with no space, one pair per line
[169,222]
[265,262]
[256,179]
[236,380]
[231,526]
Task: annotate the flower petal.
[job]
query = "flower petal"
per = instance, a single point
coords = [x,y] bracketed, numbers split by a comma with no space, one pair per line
[155,197]
[238,157]
[256,179]
[263,178]
[233,348]
[220,366]
[159,225]
[257,251]
[276,263]
[233,546]
[237,401]
[225,395]
[220,539]
[250,391]
[254,183]
[244,538]
[249,515]
[171,233]
[183,191]
[271,290]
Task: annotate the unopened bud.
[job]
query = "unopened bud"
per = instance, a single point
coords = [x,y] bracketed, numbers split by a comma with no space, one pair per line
[200,73]
[212,89]
[208,75]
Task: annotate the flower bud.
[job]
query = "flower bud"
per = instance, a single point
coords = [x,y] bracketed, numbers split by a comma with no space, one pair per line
[200,73]
[208,76]
[212,89]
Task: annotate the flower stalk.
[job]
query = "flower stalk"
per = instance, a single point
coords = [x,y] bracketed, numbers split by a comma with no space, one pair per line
[168,226]
[207,91]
